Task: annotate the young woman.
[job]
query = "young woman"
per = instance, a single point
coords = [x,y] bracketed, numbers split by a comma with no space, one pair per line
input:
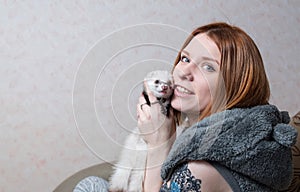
[237,141]
[234,139]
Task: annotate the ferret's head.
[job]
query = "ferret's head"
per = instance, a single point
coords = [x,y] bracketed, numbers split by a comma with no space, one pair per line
[160,83]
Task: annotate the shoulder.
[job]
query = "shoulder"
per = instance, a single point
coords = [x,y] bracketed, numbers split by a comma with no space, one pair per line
[211,179]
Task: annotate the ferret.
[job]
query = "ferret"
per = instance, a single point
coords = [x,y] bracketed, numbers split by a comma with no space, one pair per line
[128,173]
[160,83]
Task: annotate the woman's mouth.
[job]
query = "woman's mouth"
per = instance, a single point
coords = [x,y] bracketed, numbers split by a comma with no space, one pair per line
[181,91]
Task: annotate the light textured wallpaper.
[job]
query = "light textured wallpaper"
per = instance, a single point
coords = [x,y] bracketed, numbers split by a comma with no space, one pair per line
[71,72]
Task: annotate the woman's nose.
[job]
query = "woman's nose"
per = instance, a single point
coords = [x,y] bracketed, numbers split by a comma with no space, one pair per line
[186,72]
[189,77]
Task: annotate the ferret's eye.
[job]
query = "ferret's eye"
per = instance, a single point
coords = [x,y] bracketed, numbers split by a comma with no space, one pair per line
[156,81]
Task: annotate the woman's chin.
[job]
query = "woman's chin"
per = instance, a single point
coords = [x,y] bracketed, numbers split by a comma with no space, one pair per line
[179,106]
[184,106]
[176,104]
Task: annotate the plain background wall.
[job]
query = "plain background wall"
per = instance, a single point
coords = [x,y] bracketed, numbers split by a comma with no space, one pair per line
[47,132]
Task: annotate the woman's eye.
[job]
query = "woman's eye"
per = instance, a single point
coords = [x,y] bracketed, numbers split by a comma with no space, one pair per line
[184,59]
[209,68]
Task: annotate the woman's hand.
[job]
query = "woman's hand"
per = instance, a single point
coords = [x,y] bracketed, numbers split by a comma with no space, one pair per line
[156,129]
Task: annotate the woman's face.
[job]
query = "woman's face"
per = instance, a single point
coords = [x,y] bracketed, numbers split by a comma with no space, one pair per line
[196,75]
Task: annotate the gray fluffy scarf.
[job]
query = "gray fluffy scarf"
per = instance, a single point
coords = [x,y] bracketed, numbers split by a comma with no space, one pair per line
[253,143]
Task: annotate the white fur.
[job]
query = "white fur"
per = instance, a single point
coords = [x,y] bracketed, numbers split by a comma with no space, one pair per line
[129,172]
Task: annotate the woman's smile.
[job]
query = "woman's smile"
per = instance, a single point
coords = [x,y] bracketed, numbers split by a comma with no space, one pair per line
[181,91]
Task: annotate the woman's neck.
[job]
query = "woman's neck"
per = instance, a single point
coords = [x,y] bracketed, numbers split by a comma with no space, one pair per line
[192,118]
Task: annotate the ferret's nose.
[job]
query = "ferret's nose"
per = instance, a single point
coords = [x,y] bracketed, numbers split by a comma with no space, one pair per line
[165,87]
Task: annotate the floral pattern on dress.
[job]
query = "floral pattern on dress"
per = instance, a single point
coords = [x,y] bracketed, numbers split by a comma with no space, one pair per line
[182,180]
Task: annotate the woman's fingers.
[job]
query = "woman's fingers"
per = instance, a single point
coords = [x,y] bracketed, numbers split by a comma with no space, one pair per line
[143,109]
[152,98]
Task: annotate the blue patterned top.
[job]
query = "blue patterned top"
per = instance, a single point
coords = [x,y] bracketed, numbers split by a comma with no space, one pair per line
[182,180]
